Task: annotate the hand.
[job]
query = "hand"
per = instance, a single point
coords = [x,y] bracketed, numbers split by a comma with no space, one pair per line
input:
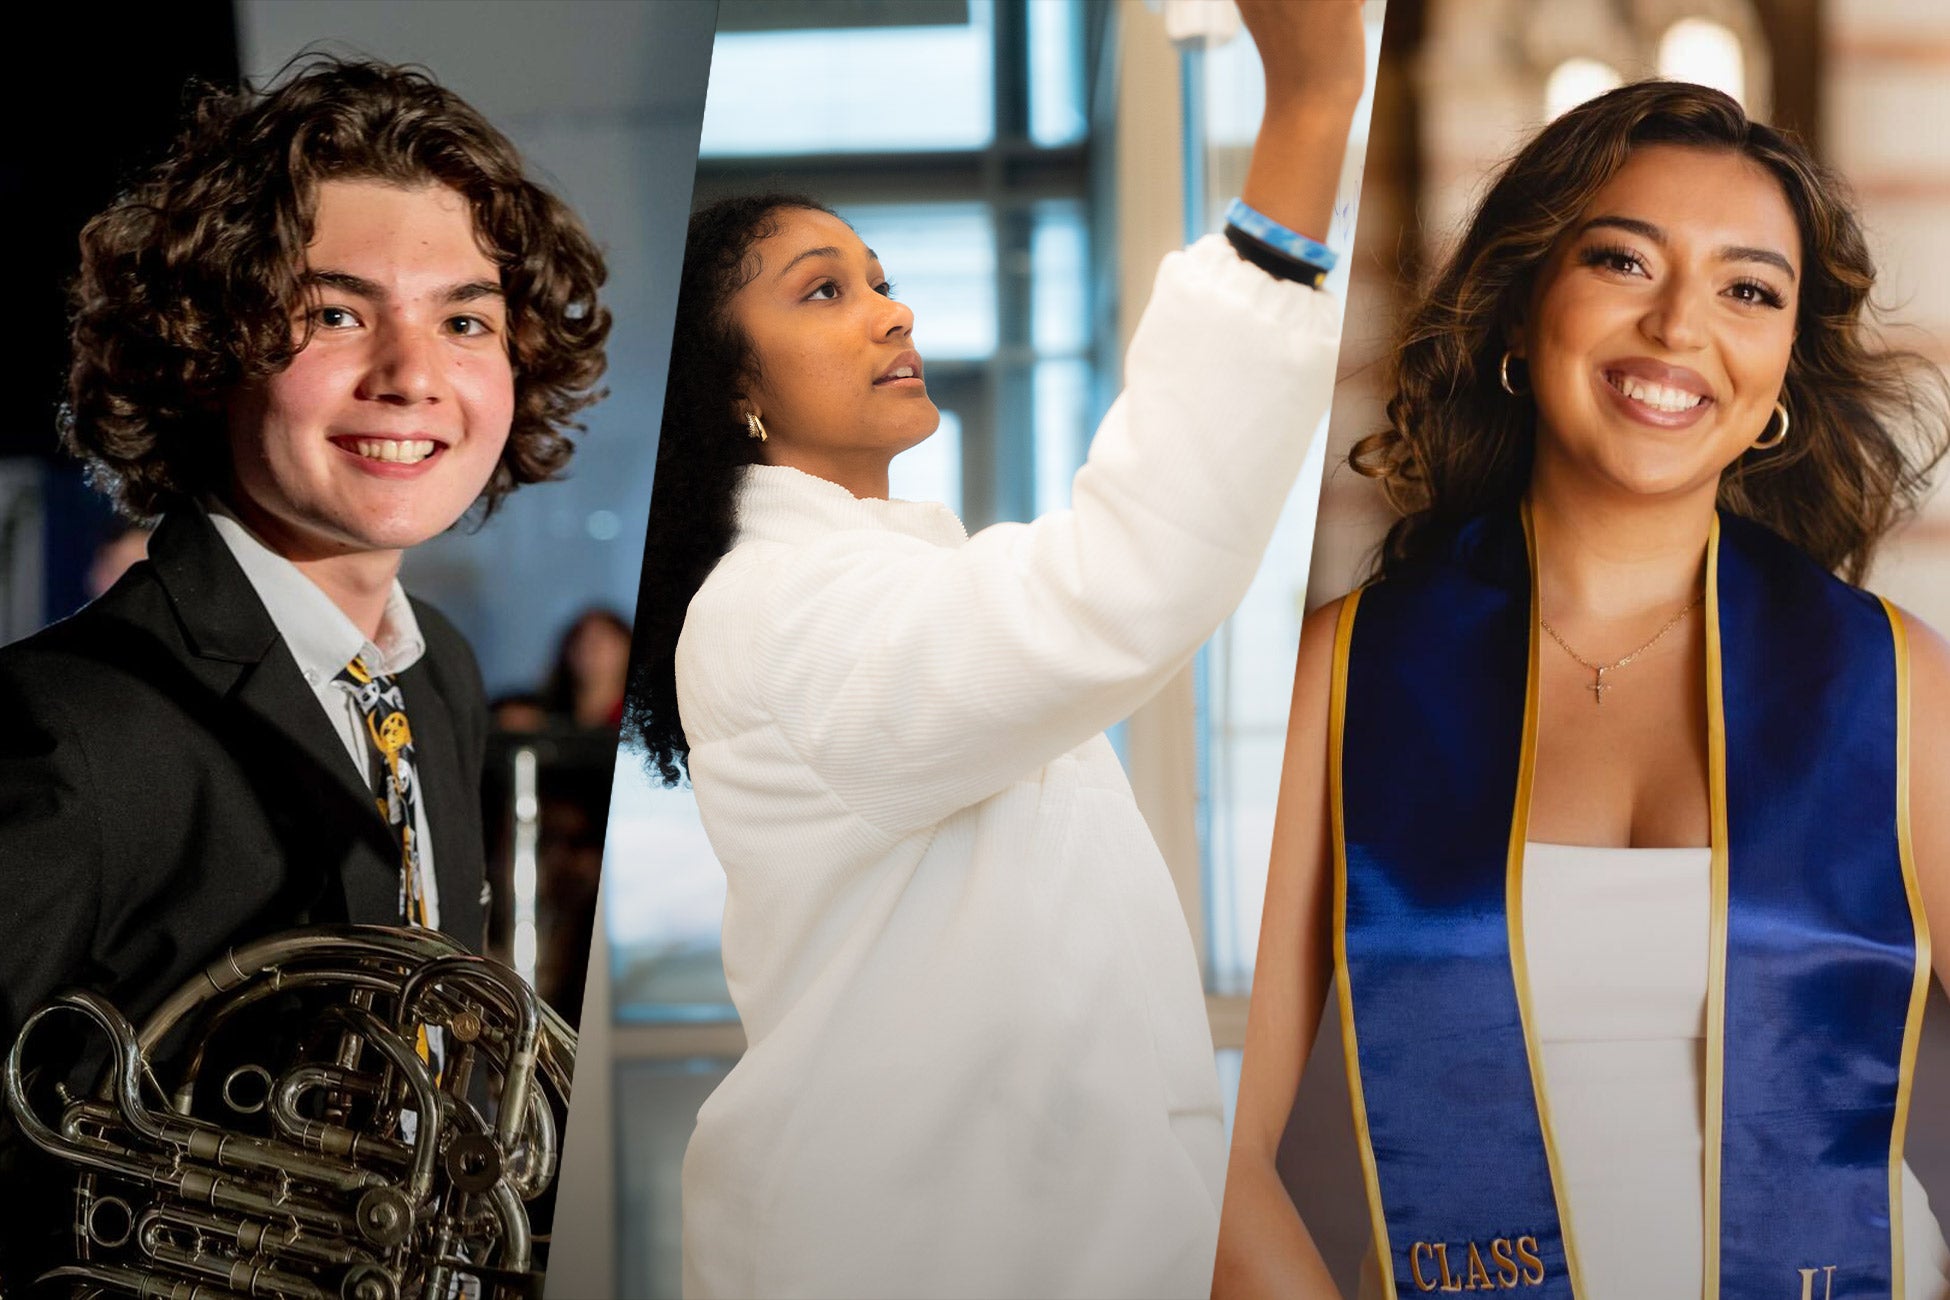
[1314,51]
[1315,56]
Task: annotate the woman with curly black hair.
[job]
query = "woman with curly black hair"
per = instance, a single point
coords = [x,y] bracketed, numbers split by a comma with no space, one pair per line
[978,1059]
[1620,824]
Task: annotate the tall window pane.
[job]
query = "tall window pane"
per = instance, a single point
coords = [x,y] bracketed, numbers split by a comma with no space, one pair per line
[940,259]
[665,903]
[830,90]
[1056,108]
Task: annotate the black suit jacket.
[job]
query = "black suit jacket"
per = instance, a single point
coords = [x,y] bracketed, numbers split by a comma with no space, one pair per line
[169,786]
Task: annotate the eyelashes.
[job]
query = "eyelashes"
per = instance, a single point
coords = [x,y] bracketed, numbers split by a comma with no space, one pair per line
[1623,260]
[828,290]
[1762,293]
[1611,257]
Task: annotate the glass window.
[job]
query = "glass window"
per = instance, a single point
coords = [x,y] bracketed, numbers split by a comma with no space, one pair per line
[930,471]
[941,260]
[854,89]
[1059,252]
[1062,395]
[1056,109]
[665,903]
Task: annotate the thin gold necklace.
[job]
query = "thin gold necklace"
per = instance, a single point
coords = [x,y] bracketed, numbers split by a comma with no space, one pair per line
[1599,685]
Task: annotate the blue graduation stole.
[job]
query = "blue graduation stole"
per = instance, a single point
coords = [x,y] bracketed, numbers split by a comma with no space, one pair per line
[1819,957]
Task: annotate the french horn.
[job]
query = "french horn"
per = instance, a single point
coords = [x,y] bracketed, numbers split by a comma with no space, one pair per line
[391,1148]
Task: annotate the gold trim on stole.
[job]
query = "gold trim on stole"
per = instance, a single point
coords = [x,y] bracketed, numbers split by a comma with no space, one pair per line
[1336,725]
[1713,1102]
[1513,906]
[1920,922]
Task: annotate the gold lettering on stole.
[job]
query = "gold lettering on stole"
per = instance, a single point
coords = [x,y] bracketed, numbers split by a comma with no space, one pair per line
[1449,1282]
[1506,1263]
[1527,1254]
[1518,1263]
[1479,1277]
[1808,1282]
[1415,1265]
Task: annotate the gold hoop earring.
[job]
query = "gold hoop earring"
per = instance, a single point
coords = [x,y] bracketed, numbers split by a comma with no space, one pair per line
[1780,434]
[1503,374]
[754,427]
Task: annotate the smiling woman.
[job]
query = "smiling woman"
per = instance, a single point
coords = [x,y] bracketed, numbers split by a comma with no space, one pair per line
[1617,822]
[1710,286]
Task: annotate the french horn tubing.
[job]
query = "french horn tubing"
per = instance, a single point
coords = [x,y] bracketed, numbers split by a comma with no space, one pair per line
[389,1148]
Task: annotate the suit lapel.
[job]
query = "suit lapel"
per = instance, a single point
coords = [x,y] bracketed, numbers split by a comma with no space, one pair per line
[240,655]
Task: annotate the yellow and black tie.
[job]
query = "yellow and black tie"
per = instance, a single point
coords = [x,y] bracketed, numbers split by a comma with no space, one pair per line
[397,785]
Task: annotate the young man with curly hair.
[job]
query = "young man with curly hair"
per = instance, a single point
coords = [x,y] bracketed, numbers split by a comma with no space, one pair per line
[332,321]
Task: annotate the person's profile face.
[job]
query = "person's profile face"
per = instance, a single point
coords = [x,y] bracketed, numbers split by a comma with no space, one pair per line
[390,419]
[1657,338]
[838,378]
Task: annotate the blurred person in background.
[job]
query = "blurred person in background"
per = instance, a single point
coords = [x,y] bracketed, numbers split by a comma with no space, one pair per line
[592,666]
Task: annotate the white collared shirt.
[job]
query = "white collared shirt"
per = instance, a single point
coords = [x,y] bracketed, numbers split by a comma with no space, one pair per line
[323,641]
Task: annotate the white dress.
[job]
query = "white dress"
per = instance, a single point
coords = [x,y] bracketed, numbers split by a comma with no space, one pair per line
[978,1056]
[1617,942]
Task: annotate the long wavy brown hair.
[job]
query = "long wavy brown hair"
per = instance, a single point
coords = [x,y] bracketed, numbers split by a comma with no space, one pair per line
[1869,421]
[191,279]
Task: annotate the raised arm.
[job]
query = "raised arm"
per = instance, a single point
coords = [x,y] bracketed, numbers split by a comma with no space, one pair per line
[1314,57]
[1264,1249]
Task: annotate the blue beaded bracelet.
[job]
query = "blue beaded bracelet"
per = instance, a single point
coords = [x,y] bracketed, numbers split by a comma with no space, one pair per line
[1255,224]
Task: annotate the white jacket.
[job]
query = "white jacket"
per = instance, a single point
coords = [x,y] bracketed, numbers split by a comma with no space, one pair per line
[979,1060]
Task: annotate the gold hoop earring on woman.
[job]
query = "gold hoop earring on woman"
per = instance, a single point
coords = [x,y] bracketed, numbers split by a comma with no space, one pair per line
[1780,434]
[754,427]
[1503,375]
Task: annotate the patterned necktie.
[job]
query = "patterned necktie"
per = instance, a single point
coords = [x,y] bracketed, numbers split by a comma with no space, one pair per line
[397,787]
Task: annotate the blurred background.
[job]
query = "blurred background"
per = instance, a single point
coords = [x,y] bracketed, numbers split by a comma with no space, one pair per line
[604,102]
[1020,166]
[1461,84]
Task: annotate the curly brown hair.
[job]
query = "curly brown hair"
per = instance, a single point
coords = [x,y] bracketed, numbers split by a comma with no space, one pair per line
[190,280]
[1870,422]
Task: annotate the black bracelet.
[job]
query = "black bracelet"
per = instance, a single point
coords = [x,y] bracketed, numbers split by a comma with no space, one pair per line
[1274,262]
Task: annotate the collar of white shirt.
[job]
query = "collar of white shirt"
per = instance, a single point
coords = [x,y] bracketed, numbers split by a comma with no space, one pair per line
[317,632]
[779,503]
